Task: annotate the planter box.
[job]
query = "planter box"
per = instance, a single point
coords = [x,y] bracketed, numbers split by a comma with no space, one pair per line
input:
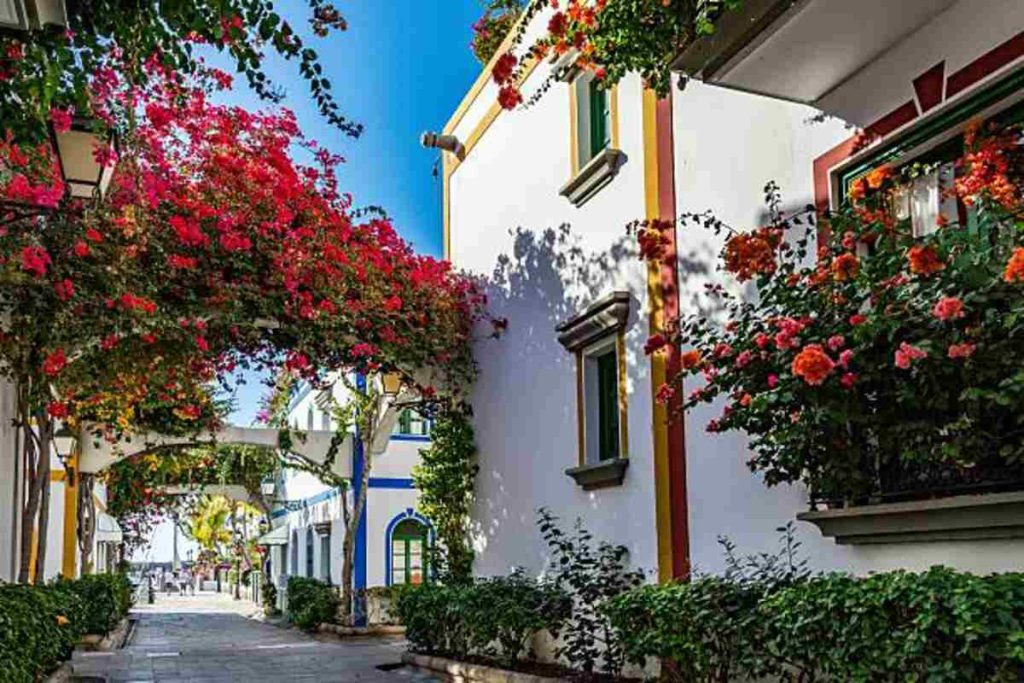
[94,642]
[462,671]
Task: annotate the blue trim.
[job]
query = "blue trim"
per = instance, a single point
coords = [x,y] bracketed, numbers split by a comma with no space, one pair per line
[421,438]
[400,517]
[391,483]
[358,463]
[303,391]
[296,505]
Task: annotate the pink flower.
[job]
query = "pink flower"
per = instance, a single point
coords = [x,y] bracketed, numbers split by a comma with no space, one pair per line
[762,340]
[773,381]
[907,354]
[722,350]
[836,342]
[35,260]
[965,350]
[61,119]
[948,308]
[744,358]
[105,155]
[848,380]
[845,357]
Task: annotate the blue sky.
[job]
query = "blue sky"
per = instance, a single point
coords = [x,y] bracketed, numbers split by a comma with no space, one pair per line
[401,68]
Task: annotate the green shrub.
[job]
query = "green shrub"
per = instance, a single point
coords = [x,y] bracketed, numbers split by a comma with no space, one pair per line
[936,626]
[39,626]
[311,602]
[493,618]
[106,599]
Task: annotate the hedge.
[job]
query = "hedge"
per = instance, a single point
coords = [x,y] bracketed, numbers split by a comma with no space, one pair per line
[494,618]
[936,626]
[39,625]
[311,602]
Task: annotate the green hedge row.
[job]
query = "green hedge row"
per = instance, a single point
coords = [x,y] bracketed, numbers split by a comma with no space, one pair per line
[39,625]
[493,618]
[936,626]
[311,602]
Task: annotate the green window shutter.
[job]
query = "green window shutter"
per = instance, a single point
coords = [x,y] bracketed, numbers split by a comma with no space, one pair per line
[608,406]
[405,422]
[600,133]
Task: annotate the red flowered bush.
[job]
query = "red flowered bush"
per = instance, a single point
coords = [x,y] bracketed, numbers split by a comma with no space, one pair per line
[875,350]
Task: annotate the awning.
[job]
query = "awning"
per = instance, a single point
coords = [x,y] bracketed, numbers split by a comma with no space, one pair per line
[107,529]
[278,536]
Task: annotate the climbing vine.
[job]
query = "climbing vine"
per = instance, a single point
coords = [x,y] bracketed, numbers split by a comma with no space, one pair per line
[445,478]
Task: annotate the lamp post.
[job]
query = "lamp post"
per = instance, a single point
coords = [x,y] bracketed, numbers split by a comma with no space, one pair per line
[392,384]
[64,444]
[23,15]
[84,176]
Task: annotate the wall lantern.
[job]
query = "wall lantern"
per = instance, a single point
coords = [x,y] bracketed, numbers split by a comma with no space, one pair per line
[64,444]
[85,177]
[392,382]
[24,15]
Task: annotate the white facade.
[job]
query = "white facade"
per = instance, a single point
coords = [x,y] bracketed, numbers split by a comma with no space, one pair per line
[547,259]
[313,513]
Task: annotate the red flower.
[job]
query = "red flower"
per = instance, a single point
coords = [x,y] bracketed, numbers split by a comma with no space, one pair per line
[848,380]
[836,342]
[858,319]
[504,67]
[948,308]
[509,97]
[1015,266]
[655,342]
[57,410]
[691,359]
[907,354]
[81,249]
[65,289]
[845,267]
[665,393]
[558,24]
[812,364]
[61,119]
[762,340]
[201,343]
[924,260]
[55,363]
[182,262]
[845,357]
[393,303]
[93,235]
[35,260]
[965,350]
[773,381]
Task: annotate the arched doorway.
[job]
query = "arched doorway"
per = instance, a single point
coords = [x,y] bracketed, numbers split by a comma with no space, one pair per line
[409,541]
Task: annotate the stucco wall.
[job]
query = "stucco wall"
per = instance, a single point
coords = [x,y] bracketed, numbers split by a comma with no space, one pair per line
[545,260]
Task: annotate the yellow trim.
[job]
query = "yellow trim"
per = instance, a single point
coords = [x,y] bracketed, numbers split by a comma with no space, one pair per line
[580,415]
[620,347]
[70,554]
[482,80]
[57,475]
[613,106]
[33,555]
[662,493]
[451,164]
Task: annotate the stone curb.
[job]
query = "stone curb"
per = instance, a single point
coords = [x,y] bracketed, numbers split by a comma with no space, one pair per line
[93,642]
[378,630]
[461,671]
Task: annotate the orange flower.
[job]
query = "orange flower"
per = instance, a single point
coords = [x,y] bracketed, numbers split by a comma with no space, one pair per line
[877,177]
[62,620]
[924,260]
[691,359]
[813,364]
[1015,266]
[753,253]
[845,267]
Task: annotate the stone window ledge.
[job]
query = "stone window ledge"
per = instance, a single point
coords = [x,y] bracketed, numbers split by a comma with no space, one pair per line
[959,518]
[598,172]
[606,316]
[600,475]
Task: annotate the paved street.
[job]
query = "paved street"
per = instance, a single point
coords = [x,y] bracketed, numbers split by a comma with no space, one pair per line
[209,638]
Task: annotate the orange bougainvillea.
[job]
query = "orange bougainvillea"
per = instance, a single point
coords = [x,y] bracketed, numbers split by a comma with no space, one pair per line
[752,253]
[813,365]
[845,267]
[924,260]
[1015,266]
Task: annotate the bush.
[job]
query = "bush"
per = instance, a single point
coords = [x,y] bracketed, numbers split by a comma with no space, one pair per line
[39,626]
[106,599]
[311,602]
[493,618]
[940,625]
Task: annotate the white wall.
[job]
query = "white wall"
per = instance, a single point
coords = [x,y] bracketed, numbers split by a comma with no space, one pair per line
[9,485]
[728,145]
[505,224]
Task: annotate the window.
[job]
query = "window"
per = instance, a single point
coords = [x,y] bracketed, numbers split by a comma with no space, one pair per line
[325,421]
[309,553]
[593,119]
[597,338]
[295,553]
[601,398]
[309,419]
[408,553]
[325,557]
[411,423]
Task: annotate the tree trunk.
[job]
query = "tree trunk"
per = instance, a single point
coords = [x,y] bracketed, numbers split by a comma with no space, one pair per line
[45,430]
[31,506]
[352,525]
[86,531]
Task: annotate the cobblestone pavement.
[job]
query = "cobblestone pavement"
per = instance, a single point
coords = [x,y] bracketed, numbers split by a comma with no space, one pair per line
[208,638]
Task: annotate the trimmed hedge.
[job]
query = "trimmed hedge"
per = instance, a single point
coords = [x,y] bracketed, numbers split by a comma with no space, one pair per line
[936,626]
[494,618]
[311,602]
[40,625]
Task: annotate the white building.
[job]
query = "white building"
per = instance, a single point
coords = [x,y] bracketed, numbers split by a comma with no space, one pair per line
[564,410]
[308,516]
